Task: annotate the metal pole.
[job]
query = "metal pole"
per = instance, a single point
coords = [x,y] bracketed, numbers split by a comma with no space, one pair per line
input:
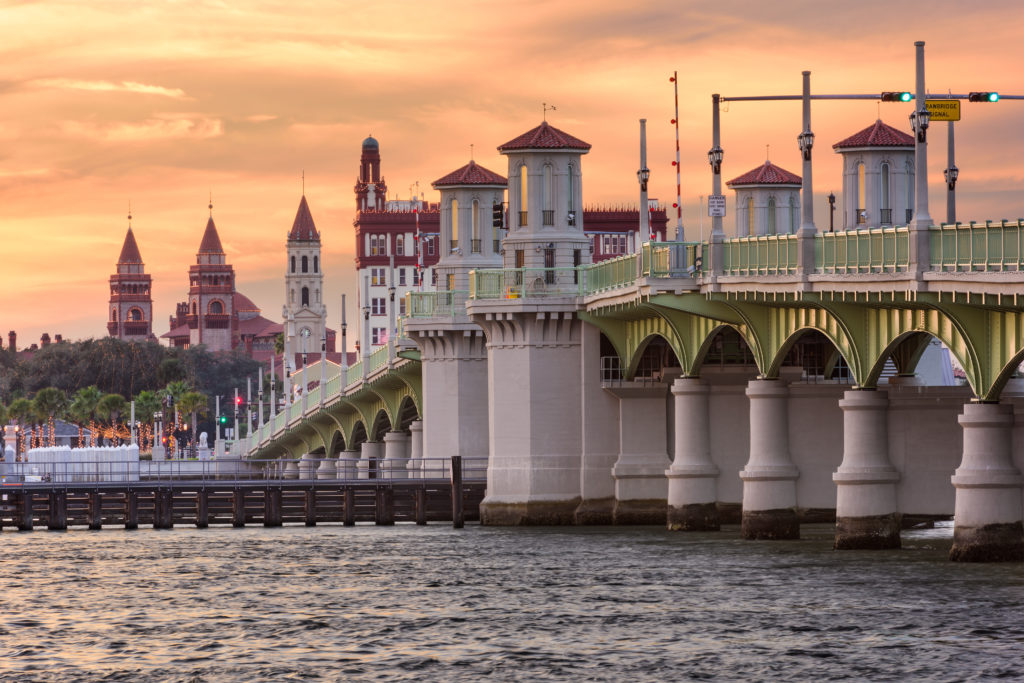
[679,186]
[716,175]
[235,434]
[344,345]
[248,405]
[216,437]
[132,424]
[285,365]
[950,181]
[922,220]
[642,174]
[807,138]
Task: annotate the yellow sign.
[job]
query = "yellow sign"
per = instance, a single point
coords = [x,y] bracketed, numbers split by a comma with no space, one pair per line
[943,110]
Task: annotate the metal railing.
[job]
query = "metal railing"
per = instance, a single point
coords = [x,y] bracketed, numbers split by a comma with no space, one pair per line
[548,217]
[379,358]
[763,255]
[610,274]
[879,250]
[516,283]
[977,247]
[435,304]
[355,373]
[669,259]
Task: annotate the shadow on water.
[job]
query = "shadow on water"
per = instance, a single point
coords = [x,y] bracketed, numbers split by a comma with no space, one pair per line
[407,603]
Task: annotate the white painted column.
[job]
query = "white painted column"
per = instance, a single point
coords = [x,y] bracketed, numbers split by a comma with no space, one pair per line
[395,462]
[369,450]
[769,478]
[988,518]
[599,436]
[641,489]
[347,464]
[866,513]
[415,448]
[692,478]
[328,468]
[306,467]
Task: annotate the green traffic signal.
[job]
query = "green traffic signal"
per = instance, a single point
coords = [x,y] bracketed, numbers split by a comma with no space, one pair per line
[896,96]
[223,419]
[983,97]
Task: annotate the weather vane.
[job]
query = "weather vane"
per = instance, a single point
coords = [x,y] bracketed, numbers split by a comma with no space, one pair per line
[471,151]
[129,214]
[547,109]
[211,204]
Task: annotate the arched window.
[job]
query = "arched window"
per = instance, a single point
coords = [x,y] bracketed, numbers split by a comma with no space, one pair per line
[548,196]
[861,195]
[305,296]
[524,196]
[886,204]
[910,189]
[750,215]
[293,264]
[475,221]
[400,245]
[216,308]
[305,264]
[792,214]
[454,213]
[113,314]
[195,308]
[316,264]
[771,215]
[135,315]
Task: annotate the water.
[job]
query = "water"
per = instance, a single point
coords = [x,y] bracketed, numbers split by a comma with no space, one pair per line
[411,604]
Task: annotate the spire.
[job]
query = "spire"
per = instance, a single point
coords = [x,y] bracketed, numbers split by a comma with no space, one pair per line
[211,240]
[303,228]
[130,250]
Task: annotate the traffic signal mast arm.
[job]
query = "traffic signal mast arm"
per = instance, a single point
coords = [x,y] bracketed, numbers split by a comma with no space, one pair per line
[877,96]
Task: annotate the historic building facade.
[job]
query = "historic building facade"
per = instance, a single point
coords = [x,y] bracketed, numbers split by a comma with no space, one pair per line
[131,299]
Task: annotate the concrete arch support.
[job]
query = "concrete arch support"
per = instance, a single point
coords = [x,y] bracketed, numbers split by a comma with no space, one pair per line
[988,514]
[415,448]
[640,485]
[769,478]
[692,478]
[396,455]
[866,516]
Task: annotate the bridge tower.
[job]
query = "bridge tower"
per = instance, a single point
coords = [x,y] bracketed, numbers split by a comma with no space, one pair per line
[453,348]
[878,177]
[304,284]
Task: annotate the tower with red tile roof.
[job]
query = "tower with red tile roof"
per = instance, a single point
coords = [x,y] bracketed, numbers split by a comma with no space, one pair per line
[767,201]
[545,221]
[131,299]
[878,177]
[304,284]
[371,190]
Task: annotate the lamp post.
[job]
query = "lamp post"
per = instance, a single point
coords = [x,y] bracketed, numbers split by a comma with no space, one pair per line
[951,174]
[642,175]
[831,211]
[922,221]
[715,155]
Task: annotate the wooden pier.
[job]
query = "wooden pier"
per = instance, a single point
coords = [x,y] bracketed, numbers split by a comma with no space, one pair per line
[239,503]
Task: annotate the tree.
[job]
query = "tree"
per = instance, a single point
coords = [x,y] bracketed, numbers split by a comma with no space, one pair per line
[195,404]
[50,403]
[146,404]
[110,408]
[83,410]
[279,343]
[21,411]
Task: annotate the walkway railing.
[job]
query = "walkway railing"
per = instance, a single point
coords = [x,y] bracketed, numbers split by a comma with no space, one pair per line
[435,304]
[669,259]
[611,274]
[978,247]
[764,255]
[880,250]
[379,358]
[516,283]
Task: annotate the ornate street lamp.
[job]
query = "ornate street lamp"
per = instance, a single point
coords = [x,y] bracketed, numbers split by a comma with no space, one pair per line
[806,142]
[831,211]
[643,175]
[919,121]
[715,155]
[951,174]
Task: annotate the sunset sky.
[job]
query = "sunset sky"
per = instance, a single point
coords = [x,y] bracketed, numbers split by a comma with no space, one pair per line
[162,103]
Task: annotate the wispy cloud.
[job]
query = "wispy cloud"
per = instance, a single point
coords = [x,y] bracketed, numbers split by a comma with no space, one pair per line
[109,86]
[163,127]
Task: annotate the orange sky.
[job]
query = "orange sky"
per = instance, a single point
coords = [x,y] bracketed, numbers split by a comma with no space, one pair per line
[162,102]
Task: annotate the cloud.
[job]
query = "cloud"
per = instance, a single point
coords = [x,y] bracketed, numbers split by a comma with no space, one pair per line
[260,118]
[109,86]
[160,127]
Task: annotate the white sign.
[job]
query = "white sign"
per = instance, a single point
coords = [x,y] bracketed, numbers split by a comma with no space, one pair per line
[716,205]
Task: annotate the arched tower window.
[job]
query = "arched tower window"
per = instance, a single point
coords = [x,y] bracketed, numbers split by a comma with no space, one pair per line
[750,215]
[771,215]
[113,315]
[293,264]
[316,264]
[454,213]
[572,194]
[548,196]
[195,308]
[475,222]
[524,195]
[861,195]
[792,214]
[216,308]
[305,264]
[305,296]
[135,315]
[886,204]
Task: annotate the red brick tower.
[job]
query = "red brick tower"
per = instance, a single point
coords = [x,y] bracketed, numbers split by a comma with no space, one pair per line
[131,300]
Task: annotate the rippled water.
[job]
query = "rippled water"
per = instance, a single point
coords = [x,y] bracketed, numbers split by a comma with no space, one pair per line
[408,603]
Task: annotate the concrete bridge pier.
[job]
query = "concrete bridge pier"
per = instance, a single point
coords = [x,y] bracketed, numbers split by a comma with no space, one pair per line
[769,477]
[307,467]
[599,436]
[692,478]
[347,464]
[396,455]
[328,468]
[988,514]
[369,451]
[866,512]
[415,463]
[641,489]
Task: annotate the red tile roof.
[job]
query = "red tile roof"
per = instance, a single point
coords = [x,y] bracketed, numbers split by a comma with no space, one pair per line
[179,331]
[544,136]
[471,174]
[767,174]
[259,327]
[303,228]
[211,240]
[130,250]
[877,135]
[240,303]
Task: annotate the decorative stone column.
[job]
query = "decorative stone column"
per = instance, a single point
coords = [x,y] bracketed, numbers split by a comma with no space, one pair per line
[692,490]
[347,464]
[395,455]
[987,519]
[306,467]
[641,489]
[328,469]
[769,478]
[866,516]
[369,450]
[415,448]
[291,469]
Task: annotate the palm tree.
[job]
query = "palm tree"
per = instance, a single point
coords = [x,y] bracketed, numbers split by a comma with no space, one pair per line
[194,403]
[83,410]
[49,403]
[20,410]
[176,390]
[279,344]
[146,404]
[110,408]
[3,425]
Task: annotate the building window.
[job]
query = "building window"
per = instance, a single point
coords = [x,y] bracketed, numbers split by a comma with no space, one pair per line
[305,264]
[886,207]
[401,306]
[475,223]
[401,277]
[377,277]
[415,277]
[113,315]
[453,213]
[548,196]
[378,335]
[750,215]
[613,244]
[400,245]
[377,305]
[378,245]
[305,296]
[195,308]
[430,246]
[216,308]
[524,204]
[293,264]
[316,264]
[862,212]
[771,215]
[433,278]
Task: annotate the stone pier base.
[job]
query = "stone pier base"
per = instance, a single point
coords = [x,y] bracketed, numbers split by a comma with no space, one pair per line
[636,512]
[534,513]
[770,525]
[989,543]
[595,512]
[879,532]
[694,517]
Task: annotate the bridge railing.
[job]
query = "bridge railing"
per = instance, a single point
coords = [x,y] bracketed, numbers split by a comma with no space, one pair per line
[280,420]
[378,358]
[295,410]
[669,259]
[355,373]
[516,283]
[977,247]
[609,274]
[333,387]
[760,255]
[435,304]
[878,250]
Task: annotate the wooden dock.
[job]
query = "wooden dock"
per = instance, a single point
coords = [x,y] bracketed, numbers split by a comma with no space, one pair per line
[239,503]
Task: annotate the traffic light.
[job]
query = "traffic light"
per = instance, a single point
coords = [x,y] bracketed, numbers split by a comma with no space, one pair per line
[897,96]
[983,97]
[498,216]
[223,419]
